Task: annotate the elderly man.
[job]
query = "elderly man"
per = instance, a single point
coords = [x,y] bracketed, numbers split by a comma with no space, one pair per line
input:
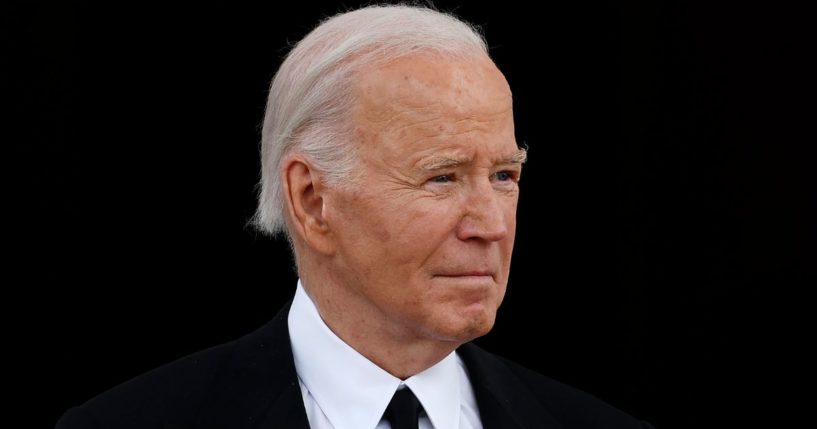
[390,163]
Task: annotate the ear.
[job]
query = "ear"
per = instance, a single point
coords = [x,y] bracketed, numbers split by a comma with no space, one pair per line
[304,194]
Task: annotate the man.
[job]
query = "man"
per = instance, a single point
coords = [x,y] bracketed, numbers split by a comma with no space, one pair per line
[390,163]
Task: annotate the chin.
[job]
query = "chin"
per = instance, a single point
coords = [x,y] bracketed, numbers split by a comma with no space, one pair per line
[475,333]
[465,329]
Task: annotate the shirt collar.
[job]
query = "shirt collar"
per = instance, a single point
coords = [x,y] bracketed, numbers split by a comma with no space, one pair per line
[351,390]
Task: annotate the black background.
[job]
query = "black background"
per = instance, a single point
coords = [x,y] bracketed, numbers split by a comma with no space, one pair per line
[664,228]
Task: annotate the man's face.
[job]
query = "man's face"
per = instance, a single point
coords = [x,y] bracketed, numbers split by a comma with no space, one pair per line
[425,234]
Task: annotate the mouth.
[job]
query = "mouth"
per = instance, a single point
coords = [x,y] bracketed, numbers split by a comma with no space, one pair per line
[475,275]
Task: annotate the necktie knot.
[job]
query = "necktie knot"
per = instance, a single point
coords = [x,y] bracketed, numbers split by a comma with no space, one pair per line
[403,411]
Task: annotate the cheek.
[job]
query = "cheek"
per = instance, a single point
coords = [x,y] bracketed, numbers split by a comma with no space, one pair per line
[510,212]
[357,215]
[391,231]
[418,233]
[423,222]
[510,222]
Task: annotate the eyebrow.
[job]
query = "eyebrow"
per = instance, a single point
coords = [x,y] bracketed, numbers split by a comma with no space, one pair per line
[443,162]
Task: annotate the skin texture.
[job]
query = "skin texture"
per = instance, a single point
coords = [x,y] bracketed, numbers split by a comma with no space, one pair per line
[412,259]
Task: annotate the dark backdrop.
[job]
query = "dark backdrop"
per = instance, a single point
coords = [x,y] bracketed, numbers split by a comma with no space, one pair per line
[665,216]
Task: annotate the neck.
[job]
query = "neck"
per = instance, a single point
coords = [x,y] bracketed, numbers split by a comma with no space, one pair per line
[396,349]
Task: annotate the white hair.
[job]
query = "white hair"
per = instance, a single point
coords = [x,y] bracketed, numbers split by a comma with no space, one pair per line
[311,95]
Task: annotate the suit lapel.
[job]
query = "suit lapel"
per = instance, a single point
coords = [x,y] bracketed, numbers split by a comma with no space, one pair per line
[504,401]
[257,386]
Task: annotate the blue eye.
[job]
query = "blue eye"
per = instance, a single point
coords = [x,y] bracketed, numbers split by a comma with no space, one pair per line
[504,176]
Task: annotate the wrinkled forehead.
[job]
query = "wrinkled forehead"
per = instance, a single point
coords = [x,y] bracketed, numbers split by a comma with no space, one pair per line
[431,85]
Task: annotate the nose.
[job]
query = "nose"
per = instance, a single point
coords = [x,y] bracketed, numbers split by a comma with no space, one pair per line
[484,215]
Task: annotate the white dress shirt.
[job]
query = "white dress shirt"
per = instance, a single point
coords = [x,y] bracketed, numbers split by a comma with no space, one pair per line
[344,390]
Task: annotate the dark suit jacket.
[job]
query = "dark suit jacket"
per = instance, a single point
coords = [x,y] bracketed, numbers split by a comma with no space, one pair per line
[251,383]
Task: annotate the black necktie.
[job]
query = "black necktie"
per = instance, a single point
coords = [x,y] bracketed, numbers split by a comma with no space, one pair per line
[403,411]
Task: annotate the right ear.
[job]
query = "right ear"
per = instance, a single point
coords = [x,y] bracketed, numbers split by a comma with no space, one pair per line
[304,194]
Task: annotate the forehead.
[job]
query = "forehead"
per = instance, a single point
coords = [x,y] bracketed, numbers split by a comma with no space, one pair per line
[425,84]
[422,97]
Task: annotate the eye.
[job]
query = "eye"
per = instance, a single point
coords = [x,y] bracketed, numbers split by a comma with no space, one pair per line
[445,178]
[504,176]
